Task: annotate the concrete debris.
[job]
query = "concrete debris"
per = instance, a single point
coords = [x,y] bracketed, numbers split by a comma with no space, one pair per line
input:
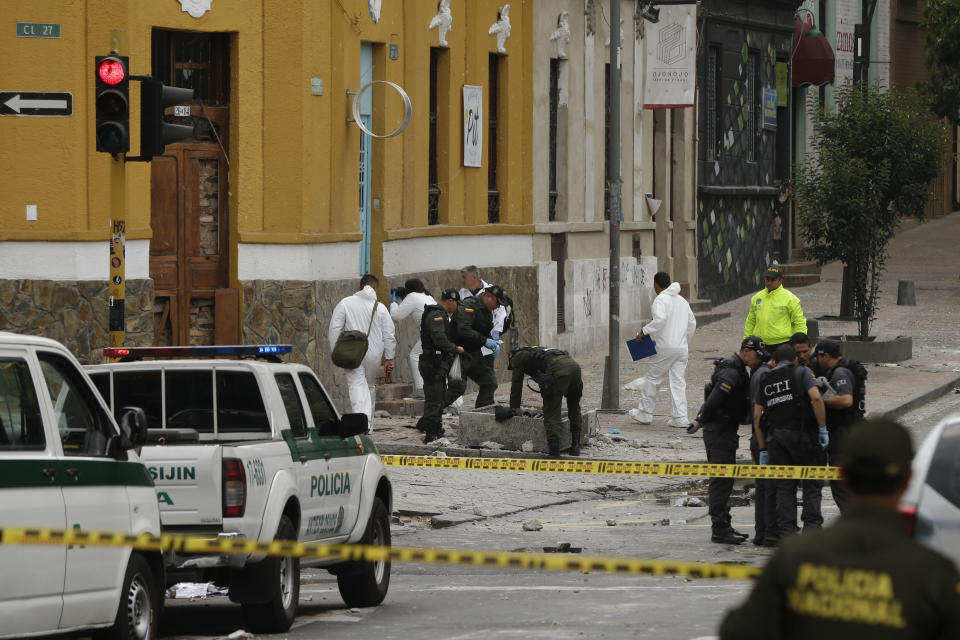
[440,442]
[532,525]
[527,446]
[380,413]
[439,454]
[240,633]
[489,444]
[688,501]
[562,547]
[611,523]
[956,389]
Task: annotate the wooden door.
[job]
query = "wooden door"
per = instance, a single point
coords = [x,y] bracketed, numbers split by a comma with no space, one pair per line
[189,251]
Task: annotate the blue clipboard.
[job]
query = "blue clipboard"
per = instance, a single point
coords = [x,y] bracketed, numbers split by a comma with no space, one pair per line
[644,349]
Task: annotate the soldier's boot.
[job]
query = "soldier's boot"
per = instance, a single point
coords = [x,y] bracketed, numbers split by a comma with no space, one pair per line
[574,441]
[553,443]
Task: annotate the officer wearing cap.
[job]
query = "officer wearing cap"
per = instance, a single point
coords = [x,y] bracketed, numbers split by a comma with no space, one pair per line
[474,321]
[437,334]
[474,285]
[775,313]
[789,400]
[841,409]
[558,376]
[863,577]
[725,407]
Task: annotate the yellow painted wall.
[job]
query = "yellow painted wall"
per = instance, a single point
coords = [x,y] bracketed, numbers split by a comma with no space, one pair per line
[293,156]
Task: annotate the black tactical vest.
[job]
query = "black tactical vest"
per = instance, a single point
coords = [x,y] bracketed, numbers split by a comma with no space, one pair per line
[782,398]
[739,405]
[482,318]
[426,338]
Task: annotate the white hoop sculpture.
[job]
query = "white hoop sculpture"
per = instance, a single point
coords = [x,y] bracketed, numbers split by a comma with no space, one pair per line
[407,109]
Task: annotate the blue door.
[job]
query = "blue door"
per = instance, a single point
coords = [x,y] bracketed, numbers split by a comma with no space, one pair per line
[366,115]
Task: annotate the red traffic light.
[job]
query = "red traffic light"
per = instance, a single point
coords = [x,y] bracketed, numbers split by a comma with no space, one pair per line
[111,71]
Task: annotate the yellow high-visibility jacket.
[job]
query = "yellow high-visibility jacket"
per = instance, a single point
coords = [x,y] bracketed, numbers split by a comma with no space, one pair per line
[774,316]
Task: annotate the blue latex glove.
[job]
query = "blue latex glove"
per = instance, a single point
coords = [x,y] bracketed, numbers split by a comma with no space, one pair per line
[493,345]
[495,335]
[824,437]
[393,297]
[764,457]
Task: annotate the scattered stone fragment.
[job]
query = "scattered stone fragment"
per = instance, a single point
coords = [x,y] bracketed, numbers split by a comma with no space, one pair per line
[489,444]
[562,547]
[611,523]
[380,413]
[688,501]
[527,446]
[440,442]
[532,525]
[439,454]
[240,634]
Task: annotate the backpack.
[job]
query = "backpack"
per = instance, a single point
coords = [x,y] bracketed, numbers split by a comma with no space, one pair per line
[859,408]
[744,413]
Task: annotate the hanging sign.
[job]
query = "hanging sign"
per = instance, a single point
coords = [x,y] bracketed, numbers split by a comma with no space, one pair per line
[472,126]
[671,79]
[769,109]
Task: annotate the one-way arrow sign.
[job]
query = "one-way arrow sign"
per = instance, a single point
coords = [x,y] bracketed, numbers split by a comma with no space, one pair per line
[35,103]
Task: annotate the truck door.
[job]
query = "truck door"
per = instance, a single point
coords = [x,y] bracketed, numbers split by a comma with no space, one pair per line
[31,589]
[345,458]
[94,492]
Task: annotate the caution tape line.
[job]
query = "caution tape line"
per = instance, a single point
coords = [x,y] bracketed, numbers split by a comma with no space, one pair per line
[628,468]
[352,552]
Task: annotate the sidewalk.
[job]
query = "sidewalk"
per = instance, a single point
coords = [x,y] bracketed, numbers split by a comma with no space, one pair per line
[925,253]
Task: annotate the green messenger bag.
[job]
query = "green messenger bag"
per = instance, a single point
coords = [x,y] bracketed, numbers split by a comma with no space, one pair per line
[352,346]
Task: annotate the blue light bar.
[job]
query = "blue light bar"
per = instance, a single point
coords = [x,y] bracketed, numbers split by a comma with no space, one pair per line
[199,351]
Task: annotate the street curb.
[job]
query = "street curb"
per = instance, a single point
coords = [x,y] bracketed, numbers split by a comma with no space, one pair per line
[917,400]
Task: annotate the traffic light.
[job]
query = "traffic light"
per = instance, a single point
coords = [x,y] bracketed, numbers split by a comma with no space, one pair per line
[112,89]
[155,134]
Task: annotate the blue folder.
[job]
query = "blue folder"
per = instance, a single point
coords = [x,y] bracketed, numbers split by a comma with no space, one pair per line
[643,349]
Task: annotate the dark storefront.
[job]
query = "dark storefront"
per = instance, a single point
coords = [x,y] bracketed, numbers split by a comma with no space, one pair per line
[744,151]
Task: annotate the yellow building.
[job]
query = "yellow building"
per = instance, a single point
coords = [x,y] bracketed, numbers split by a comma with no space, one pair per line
[254,228]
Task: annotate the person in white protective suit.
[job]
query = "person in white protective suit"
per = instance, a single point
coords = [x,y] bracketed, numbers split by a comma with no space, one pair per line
[412,304]
[353,314]
[672,327]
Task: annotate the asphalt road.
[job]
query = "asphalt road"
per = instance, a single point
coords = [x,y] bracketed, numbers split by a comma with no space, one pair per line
[450,602]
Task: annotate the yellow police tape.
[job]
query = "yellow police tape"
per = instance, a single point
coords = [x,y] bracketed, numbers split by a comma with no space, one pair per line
[625,468]
[355,552]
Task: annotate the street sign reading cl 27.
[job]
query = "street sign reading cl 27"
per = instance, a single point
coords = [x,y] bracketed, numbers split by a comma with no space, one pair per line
[35,103]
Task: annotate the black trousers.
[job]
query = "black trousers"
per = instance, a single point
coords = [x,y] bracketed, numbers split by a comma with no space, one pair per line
[720,440]
[794,447]
[841,495]
[764,504]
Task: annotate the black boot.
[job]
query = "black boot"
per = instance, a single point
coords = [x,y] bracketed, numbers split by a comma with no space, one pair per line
[574,441]
[554,447]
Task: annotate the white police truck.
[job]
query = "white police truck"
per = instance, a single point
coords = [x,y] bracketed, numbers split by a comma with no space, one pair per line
[64,464]
[251,447]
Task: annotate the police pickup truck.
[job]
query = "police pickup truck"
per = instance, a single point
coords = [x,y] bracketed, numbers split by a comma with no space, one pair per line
[64,464]
[253,448]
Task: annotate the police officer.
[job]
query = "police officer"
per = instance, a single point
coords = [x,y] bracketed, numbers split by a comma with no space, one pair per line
[864,577]
[725,407]
[558,376]
[812,489]
[474,321]
[437,335]
[775,313]
[787,396]
[841,409]
[764,514]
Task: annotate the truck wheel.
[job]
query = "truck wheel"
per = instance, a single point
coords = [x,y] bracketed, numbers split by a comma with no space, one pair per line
[278,612]
[366,586]
[138,610]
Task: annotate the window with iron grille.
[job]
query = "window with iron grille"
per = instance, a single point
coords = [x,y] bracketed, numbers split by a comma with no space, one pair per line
[553,194]
[433,183]
[754,106]
[493,189]
[713,126]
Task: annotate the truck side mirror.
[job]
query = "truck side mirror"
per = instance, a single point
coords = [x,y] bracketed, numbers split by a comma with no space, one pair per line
[133,427]
[352,424]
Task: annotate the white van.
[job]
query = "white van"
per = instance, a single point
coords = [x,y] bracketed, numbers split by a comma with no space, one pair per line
[64,464]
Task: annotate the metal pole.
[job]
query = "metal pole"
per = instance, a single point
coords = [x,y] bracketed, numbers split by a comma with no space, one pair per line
[611,392]
[118,258]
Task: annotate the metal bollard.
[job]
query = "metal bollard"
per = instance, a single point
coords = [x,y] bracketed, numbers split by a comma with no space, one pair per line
[906,293]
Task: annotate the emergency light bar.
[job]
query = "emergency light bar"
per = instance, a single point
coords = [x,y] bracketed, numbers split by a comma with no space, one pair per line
[204,351]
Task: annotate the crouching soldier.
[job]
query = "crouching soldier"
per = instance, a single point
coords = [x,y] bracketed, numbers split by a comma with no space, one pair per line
[439,350]
[558,376]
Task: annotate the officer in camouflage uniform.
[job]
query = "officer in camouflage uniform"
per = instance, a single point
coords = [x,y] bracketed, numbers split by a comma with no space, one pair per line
[863,577]
[474,321]
[437,335]
[558,376]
